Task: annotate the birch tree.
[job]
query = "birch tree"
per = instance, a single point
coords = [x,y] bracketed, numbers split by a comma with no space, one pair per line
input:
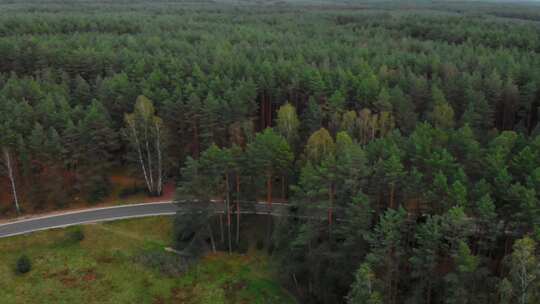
[524,275]
[7,166]
[287,123]
[145,132]
[8,139]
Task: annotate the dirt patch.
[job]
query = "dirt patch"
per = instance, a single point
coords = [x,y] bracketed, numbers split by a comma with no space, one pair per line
[69,281]
[58,274]
[182,295]
[105,259]
[89,275]
[232,289]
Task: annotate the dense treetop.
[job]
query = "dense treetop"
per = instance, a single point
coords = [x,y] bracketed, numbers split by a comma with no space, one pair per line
[414,124]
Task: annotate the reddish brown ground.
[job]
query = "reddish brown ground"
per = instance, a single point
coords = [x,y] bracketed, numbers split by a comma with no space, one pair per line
[119,182]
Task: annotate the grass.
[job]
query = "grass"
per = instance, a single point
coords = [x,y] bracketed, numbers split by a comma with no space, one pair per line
[102,269]
[223,278]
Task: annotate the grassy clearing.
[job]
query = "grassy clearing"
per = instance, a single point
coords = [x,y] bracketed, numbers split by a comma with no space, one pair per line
[222,278]
[102,269]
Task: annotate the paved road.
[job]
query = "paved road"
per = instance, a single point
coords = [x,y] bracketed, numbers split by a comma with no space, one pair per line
[86,216]
[116,213]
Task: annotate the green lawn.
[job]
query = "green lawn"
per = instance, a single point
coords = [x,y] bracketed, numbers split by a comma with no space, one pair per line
[103,268]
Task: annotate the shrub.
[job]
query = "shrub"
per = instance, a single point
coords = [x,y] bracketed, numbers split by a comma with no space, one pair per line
[166,263]
[75,235]
[242,246]
[133,190]
[23,264]
[98,189]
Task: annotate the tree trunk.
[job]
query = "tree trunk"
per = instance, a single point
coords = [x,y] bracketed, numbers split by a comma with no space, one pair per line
[262,111]
[428,300]
[373,130]
[158,150]
[529,120]
[330,207]
[269,190]
[196,144]
[228,213]
[269,113]
[221,230]
[149,157]
[237,208]
[141,160]
[212,242]
[269,202]
[12,180]
[392,190]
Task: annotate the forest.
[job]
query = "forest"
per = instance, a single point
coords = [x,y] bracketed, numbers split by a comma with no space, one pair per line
[409,130]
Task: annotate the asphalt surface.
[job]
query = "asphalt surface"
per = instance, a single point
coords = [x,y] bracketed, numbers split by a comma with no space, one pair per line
[96,215]
[86,216]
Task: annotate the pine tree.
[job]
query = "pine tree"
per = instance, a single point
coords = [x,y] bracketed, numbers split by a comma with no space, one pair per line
[387,251]
[364,289]
[461,282]
[100,143]
[383,103]
[404,112]
[270,156]
[311,118]
[426,258]
[443,116]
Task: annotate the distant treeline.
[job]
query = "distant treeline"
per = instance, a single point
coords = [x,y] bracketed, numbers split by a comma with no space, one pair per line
[422,124]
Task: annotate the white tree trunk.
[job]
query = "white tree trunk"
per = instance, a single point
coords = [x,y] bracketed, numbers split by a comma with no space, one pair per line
[159,168]
[523,276]
[149,157]
[7,159]
[141,161]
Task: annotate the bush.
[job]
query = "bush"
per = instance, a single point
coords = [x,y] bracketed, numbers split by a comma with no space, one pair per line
[242,246]
[166,263]
[133,190]
[98,189]
[23,264]
[75,235]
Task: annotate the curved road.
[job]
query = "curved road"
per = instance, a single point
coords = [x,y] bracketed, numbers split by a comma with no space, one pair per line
[86,216]
[105,214]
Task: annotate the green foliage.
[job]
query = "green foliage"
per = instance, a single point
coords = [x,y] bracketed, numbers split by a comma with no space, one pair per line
[320,146]
[521,284]
[75,235]
[461,281]
[166,263]
[191,232]
[288,123]
[363,289]
[146,135]
[131,255]
[409,135]
[98,188]
[23,264]
[269,155]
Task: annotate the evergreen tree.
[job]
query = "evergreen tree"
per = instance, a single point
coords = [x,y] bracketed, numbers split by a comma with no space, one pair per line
[270,156]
